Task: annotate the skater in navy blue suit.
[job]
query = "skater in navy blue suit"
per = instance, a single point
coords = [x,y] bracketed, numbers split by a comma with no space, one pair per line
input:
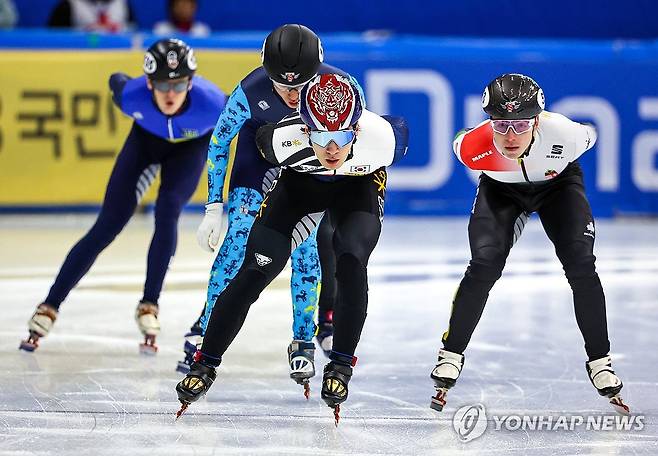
[174,115]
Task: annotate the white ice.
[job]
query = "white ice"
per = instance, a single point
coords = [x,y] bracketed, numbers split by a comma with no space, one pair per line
[86,390]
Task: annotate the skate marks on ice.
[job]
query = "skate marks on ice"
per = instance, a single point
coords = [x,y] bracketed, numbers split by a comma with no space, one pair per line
[87,387]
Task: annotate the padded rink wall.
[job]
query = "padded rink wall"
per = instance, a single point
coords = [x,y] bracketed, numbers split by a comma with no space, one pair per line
[59,133]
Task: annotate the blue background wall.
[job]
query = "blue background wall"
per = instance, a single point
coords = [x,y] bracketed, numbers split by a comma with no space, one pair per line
[436,83]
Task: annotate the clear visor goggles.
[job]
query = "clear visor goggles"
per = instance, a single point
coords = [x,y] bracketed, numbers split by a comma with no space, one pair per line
[166,86]
[323,138]
[518,126]
[288,88]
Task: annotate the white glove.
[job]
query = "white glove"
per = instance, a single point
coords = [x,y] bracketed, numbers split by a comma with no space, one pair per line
[207,235]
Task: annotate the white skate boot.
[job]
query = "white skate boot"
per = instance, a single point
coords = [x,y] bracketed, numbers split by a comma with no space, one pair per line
[146,316]
[445,374]
[607,383]
[301,361]
[39,326]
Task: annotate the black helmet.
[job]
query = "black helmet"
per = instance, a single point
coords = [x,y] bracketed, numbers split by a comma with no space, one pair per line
[292,54]
[513,96]
[169,59]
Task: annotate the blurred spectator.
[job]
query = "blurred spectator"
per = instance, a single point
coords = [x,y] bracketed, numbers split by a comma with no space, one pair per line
[181,20]
[92,15]
[8,15]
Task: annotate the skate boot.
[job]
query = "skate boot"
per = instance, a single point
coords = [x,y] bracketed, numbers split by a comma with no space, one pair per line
[39,326]
[146,316]
[193,341]
[325,333]
[607,383]
[197,382]
[302,367]
[337,374]
[445,374]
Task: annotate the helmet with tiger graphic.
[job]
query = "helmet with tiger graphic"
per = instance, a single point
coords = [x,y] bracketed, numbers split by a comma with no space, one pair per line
[330,102]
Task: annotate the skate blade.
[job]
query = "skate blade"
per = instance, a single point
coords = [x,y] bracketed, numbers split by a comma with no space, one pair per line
[183,407]
[307,391]
[28,346]
[438,401]
[148,347]
[31,343]
[619,406]
[149,350]
[336,415]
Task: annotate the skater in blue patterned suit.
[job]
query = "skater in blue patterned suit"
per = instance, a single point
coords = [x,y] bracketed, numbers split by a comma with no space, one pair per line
[174,113]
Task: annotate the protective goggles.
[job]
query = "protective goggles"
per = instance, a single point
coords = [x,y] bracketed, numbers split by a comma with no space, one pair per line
[166,86]
[341,137]
[518,126]
[288,88]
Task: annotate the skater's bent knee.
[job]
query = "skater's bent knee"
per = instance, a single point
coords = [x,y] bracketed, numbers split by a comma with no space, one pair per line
[577,260]
[250,282]
[487,264]
[349,267]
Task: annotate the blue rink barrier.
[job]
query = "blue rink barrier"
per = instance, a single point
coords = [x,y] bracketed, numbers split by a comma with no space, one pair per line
[436,83]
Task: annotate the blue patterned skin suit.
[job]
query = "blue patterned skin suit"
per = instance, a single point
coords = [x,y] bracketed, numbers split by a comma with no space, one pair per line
[243,206]
[252,104]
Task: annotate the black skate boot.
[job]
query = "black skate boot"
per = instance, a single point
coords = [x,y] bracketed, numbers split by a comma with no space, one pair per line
[39,325]
[325,333]
[193,341]
[607,383]
[301,361]
[445,375]
[196,383]
[337,374]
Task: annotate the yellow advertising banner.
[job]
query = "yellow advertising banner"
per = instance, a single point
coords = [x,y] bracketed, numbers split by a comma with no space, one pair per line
[60,132]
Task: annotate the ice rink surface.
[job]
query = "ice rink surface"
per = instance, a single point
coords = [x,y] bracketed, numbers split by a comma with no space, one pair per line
[88,391]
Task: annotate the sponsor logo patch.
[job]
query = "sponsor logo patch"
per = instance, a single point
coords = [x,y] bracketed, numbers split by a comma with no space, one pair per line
[290,76]
[589,230]
[294,142]
[481,156]
[511,106]
[557,149]
[172,59]
[262,260]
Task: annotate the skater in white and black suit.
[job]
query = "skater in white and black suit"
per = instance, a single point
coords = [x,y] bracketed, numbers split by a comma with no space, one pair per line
[333,155]
[528,161]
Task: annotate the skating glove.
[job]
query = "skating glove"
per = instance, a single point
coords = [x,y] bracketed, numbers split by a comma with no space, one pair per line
[207,235]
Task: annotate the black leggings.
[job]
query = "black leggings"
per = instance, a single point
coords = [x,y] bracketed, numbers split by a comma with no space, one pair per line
[567,219]
[355,205]
[327,255]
